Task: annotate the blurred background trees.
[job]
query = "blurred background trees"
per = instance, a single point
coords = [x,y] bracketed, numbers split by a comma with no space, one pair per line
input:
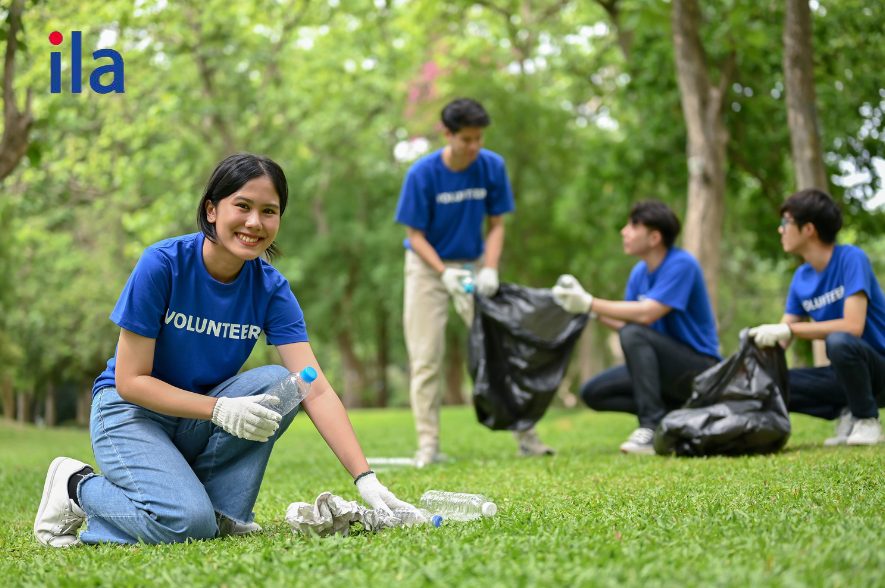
[712,107]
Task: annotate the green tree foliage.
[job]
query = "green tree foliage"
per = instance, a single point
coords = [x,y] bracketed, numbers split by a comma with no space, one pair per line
[585,108]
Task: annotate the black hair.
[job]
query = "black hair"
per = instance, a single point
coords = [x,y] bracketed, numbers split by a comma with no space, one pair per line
[464,113]
[657,216]
[232,174]
[818,208]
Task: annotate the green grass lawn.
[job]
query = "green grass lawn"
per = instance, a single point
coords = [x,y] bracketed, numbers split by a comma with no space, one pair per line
[588,516]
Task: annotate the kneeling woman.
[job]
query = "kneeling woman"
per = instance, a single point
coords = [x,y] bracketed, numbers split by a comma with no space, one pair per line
[180,437]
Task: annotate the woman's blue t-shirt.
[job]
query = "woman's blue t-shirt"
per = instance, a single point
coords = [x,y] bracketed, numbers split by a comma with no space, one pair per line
[204,329]
[822,295]
[679,283]
[449,207]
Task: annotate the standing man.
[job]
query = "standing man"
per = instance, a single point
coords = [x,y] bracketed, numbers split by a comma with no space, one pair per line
[445,198]
[665,323]
[837,288]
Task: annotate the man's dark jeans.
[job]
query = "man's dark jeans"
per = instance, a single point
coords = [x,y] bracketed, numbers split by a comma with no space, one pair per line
[656,379]
[855,378]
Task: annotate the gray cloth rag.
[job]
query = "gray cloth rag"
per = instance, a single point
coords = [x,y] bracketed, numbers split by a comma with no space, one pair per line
[331,514]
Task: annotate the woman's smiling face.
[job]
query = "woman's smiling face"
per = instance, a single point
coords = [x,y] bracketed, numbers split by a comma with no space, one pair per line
[247,221]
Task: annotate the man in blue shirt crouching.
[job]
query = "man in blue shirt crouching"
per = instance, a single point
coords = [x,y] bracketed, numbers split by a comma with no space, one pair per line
[837,288]
[665,323]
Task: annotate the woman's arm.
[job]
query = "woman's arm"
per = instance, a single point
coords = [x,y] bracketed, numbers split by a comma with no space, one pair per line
[325,410]
[135,361]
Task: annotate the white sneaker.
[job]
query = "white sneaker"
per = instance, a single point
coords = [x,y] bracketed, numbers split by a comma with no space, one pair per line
[228,527]
[843,429]
[640,442]
[59,517]
[530,444]
[866,432]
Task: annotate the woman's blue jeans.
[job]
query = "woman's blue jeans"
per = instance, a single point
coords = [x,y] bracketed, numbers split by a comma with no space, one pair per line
[164,478]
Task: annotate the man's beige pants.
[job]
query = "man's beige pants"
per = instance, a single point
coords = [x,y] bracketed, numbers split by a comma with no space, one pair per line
[425,313]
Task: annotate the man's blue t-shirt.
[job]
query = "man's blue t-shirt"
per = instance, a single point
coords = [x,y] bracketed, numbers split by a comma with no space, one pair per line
[449,207]
[204,329]
[822,295]
[679,283]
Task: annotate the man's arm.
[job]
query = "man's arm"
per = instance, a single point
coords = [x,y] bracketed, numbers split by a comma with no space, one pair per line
[853,321]
[422,247]
[494,242]
[643,312]
[571,296]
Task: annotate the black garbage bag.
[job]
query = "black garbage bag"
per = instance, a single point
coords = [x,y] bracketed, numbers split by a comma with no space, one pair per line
[737,407]
[519,349]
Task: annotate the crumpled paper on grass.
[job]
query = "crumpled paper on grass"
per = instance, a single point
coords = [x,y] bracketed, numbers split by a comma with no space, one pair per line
[331,514]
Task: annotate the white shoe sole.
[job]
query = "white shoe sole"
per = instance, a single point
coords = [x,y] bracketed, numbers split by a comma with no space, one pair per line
[62,540]
[861,442]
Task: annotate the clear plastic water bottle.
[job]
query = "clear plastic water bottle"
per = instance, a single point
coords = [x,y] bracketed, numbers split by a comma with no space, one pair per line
[291,390]
[467,284]
[458,506]
[411,517]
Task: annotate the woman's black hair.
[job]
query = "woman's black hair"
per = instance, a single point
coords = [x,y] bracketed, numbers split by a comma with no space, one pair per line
[232,174]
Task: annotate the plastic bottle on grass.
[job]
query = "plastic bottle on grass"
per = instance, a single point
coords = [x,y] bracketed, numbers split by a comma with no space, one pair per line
[291,390]
[411,517]
[458,506]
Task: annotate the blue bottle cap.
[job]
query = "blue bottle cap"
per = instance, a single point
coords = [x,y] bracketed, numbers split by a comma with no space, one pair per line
[436,520]
[308,374]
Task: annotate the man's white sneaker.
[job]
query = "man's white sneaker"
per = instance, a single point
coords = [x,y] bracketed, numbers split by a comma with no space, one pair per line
[641,442]
[843,429]
[228,527]
[59,517]
[866,432]
[530,444]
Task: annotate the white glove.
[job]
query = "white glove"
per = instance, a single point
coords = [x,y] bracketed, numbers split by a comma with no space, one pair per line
[376,495]
[244,417]
[452,279]
[487,282]
[770,335]
[569,294]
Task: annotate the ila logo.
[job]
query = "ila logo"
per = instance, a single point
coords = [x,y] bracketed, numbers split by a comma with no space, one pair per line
[114,69]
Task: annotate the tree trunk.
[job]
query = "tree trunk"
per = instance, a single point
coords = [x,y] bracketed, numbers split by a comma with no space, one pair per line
[84,403]
[454,367]
[8,399]
[707,137]
[354,372]
[808,161]
[382,358]
[805,145]
[16,123]
[50,414]
[23,409]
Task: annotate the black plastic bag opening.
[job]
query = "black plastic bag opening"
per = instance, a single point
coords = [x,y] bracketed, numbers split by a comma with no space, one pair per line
[519,349]
[737,407]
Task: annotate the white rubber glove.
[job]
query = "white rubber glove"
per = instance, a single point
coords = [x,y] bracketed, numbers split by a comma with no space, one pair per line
[487,282]
[376,495]
[452,280]
[771,335]
[245,418]
[569,294]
